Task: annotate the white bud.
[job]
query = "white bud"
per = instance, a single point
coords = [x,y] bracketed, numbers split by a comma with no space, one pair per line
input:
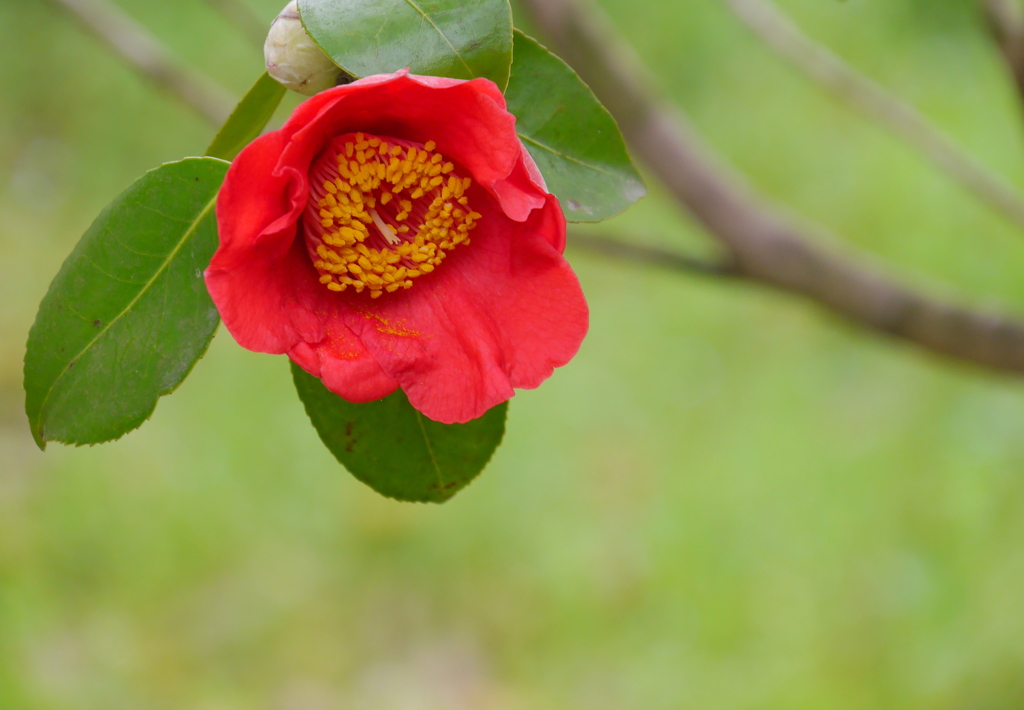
[294,59]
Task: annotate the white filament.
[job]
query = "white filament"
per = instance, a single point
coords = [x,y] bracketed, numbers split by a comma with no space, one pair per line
[389,235]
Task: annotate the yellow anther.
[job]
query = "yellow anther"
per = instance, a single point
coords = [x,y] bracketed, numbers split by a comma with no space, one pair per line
[363,249]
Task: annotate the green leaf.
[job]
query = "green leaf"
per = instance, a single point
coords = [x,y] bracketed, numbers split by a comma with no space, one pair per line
[461,39]
[247,121]
[573,138]
[394,449]
[128,314]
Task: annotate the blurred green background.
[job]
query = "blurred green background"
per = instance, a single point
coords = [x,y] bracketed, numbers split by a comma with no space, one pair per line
[728,500]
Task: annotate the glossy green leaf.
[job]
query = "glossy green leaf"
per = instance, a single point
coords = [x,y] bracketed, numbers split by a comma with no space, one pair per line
[128,314]
[573,138]
[461,39]
[394,449]
[247,121]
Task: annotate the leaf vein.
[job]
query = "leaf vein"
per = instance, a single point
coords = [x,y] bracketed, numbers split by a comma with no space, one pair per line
[417,8]
[430,450]
[110,275]
[571,159]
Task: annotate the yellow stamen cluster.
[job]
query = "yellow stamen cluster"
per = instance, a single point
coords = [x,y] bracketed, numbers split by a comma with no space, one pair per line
[383,212]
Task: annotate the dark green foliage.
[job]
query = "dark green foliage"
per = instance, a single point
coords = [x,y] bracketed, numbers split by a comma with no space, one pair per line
[462,39]
[128,315]
[573,138]
[394,449]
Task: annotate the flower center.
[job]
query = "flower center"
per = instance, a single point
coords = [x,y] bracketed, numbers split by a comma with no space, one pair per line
[383,212]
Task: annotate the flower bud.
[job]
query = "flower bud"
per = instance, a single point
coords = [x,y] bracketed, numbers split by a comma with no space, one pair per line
[294,59]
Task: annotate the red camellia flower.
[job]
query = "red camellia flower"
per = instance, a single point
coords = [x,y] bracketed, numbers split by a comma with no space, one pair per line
[396,233]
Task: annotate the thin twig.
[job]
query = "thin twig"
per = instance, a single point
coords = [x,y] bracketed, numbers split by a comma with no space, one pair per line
[144,53]
[824,67]
[1006,20]
[767,246]
[649,255]
[244,19]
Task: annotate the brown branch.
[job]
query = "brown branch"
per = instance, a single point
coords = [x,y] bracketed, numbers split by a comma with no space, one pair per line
[1006,20]
[650,256]
[766,245]
[141,51]
[831,73]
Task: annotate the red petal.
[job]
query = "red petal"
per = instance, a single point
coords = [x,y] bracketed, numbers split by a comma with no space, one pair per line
[266,288]
[498,314]
[467,120]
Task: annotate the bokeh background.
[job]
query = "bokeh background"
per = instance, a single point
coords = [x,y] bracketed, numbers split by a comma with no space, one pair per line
[729,500]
